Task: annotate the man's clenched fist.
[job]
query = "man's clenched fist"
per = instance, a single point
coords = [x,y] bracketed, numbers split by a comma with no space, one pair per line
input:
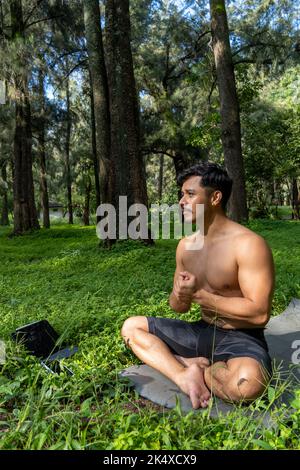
[184,286]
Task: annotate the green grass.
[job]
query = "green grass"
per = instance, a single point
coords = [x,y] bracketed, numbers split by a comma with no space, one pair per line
[86,293]
[284,212]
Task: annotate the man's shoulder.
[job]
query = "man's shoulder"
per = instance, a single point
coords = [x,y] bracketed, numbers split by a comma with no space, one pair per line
[181,246]
[248,243]
[244,235]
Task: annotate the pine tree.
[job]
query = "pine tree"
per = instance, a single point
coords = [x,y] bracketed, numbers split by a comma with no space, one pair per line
[25,216]
[230,117]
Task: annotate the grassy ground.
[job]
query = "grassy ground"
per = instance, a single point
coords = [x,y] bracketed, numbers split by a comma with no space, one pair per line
[86,293]
[283,212]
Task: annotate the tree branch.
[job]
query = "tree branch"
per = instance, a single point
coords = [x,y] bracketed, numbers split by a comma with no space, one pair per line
[82,62]
[252,61]
[31,12]
[147,151]
[211,90]
[52,64]
[42,20]
[191,54]
[195,50]
[256,44]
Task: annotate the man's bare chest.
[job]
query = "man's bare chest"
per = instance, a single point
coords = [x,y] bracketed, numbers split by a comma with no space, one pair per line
[215,268]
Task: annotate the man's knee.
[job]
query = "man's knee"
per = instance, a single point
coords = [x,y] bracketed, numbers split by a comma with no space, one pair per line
[131,324]
[248,383]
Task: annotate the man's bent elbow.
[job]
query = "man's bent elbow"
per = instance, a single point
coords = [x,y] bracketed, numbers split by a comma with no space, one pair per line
[261,320]
[179,308]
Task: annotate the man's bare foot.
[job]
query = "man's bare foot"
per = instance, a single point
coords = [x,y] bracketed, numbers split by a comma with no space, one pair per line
[191,381]
[188,361]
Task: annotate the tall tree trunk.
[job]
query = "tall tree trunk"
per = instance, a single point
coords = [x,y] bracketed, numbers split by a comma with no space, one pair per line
[86,209]
[295,200]
[4,213]
[94,152]
[230,117]
[67,162]
[129,168]
[161,177]
[99,87]
[42,154]
[25,216]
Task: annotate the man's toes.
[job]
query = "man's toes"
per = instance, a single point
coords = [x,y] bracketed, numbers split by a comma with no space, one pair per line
[199,402]
[195,399]
[204,399]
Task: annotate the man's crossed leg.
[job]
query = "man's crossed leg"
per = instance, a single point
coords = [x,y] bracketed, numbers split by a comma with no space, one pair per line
[237,379]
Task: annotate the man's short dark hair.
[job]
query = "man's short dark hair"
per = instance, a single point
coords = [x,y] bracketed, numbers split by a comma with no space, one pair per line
[213,176]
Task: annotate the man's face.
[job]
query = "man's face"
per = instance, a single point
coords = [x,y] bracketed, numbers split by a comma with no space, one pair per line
[191,195]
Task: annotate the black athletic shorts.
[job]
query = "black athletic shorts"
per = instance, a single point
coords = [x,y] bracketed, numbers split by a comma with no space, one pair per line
[194,339]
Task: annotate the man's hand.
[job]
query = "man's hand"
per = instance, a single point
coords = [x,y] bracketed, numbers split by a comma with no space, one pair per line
[206,300]
[200,296]
[185,287]
[184,284]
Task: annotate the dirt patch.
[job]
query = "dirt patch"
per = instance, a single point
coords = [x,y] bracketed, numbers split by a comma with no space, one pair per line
[142,404]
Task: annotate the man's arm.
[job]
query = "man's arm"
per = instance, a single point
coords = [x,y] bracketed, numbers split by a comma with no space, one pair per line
[183,286]
[256,281]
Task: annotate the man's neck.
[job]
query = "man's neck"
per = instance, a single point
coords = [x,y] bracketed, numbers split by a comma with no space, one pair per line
[213,223]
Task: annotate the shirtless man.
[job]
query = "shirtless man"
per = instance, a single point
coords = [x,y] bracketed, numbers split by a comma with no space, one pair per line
[232,278]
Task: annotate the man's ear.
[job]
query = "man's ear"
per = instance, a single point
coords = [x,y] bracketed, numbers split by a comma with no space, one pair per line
[216,198]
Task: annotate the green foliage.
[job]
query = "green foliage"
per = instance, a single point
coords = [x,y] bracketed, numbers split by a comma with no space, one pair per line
[208,133]
[270,138]
[87,292]
[249,85]
[175,74]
